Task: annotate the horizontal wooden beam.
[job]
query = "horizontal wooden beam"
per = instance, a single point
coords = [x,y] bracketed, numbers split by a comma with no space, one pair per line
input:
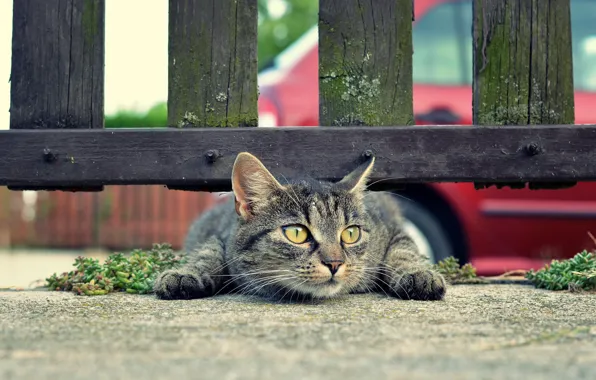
[202,158]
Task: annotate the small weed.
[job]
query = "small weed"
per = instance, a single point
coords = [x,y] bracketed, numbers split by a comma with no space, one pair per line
[456,274]
[577,273]
[132,274]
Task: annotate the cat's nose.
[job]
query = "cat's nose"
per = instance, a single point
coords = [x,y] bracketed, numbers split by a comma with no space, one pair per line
[333,265]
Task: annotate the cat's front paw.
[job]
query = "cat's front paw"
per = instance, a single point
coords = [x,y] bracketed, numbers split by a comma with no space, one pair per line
[422,285]
[175,284]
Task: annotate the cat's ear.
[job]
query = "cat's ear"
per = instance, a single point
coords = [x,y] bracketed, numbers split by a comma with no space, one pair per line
[252,184]
[356,181]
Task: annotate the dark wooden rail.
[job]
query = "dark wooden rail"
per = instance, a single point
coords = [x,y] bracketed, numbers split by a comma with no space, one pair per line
[202,158]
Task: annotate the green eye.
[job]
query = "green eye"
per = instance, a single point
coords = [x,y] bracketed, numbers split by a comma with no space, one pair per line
[296,233]
[350,235]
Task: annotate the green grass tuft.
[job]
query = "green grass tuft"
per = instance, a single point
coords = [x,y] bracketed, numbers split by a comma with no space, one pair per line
[577,273]
[454,273]
[134,273]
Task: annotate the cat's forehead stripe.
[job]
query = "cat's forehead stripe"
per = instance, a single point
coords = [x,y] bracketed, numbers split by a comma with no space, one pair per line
[327,215]
[320,206]
[316,234]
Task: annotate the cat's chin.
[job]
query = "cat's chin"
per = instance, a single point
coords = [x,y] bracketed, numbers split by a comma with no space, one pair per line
[322,290]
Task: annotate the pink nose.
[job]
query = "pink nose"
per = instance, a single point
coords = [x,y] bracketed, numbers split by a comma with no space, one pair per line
[333,265]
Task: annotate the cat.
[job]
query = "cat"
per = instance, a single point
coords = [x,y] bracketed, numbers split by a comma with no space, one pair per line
[307,239]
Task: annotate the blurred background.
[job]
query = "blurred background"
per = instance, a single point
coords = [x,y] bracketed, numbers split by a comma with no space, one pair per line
[129,216]
[496,230]
[40,232]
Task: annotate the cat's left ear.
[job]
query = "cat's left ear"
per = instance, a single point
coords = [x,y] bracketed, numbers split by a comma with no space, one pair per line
[356,181]
[252,184]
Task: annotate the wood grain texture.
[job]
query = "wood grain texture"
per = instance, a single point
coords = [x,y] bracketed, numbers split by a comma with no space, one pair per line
[202,158]
[365,62]
[523,71]
[57,78]
[212,63]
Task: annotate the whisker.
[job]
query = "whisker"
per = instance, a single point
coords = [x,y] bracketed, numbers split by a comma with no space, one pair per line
[293,294]
[388,192]
[363,280]
[368,288]
[291,288]
[274,280]
[230,262]
[398,282]
[379,272]
[250,273]
[257,281]
[381,180]
[240,285]
[235,277]
[243,287]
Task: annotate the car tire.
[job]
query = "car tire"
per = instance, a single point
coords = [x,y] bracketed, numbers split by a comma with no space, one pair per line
[426,230]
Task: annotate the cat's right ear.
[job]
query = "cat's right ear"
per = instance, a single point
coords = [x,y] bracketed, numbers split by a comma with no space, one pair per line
[355,182]
[252,184]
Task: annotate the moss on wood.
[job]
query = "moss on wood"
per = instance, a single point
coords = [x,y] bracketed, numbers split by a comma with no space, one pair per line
[365,65]
[212,63]
[92,19]
[522,62]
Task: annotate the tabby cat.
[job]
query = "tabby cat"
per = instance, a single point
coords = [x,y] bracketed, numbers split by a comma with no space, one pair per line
[304,240]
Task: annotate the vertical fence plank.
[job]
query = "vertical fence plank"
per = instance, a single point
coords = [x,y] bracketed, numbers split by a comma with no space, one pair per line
[57,74]
[365,62]
[57,78]
[523,68]
[212,63]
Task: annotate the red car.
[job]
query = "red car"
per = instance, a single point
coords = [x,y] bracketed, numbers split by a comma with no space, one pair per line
[496,230]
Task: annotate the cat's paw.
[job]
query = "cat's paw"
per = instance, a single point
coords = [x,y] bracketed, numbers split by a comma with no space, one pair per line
[423,285]
[175,284]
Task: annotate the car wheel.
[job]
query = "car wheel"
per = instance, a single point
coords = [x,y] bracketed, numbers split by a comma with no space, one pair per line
[426,231]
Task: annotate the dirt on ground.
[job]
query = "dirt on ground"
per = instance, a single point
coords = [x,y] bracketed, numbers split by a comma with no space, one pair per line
[478,332]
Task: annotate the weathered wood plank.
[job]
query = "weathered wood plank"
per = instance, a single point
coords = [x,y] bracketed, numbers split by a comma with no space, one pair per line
[212,63]
[57,74]
[523,71]
[365,62]
[57,78]
[202,158]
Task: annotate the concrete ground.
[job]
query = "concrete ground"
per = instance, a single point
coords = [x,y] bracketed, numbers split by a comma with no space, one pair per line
[478,332]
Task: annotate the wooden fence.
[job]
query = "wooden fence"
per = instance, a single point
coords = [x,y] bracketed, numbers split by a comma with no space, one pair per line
[522,101]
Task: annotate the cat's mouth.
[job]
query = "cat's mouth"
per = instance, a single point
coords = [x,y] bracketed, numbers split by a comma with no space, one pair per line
[332,284]
[325,280]
[323,285]
[322,289]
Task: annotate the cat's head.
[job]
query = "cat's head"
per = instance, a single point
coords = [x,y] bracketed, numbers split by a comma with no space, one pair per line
[307,237]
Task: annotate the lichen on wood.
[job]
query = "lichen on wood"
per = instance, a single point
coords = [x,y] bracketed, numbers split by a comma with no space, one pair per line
[523,70]
[365,62]
[212,63]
